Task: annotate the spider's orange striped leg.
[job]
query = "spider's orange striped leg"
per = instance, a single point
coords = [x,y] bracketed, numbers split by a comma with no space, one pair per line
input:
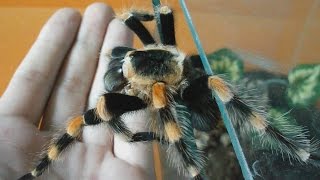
[177,130]
[73,132]
[120,52]
[248,115]
[146,137]
[133,21]
[205,114]
[167,26]
[162,101]
[240,111]
[109,108]
[142,16]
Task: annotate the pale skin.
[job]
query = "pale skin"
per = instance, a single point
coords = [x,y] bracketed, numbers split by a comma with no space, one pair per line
[61,77]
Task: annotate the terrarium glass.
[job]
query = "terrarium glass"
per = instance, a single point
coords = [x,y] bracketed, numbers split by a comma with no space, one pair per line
[269,50]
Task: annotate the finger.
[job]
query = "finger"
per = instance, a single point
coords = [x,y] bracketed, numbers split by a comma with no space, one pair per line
[32,82]
[116,35]
[71,90]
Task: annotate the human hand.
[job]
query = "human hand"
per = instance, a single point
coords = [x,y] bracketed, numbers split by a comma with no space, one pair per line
[60,77]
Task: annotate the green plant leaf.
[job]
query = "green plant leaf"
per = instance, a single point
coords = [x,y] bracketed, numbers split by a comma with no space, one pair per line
[225,61]
[304,85]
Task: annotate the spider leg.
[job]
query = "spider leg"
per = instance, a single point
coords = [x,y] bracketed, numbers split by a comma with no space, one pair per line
[145,137]
[132,20]
[113,78]
[192,159]
[184,153]
[205,114]
[178,131]
[109,108]
[245,114]
[120,52]
[143,16]
[162,101]
[73,132]
[167,26]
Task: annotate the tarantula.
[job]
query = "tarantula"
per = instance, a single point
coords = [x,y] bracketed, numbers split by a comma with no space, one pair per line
[161,79]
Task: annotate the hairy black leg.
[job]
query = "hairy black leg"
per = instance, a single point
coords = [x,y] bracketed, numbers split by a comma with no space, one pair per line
[143,16]
[120,51]
[198,177]
[28,176]
[191,157]
[138,28]
[167,26]
[113,78]
[145,137]
[184,153]
[178,130]
[162,101]
[195,61]
[248,116]
[109,109]
[203,107]
[111,106]
[73,132]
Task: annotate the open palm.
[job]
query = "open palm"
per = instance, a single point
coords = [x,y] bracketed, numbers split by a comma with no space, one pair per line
[60,77]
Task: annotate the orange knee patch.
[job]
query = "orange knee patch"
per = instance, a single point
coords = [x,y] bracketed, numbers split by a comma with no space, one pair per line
[165,10]
[221,88]
[53,152]
[258,122]
[35,173]
[101,109]
[74,126]
[193,171]
[173,131]
[159,98]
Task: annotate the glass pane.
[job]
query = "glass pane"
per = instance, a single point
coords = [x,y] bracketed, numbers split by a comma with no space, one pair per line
[269,51]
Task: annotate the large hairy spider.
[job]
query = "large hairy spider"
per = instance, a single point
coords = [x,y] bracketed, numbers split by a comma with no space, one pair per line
[161,79]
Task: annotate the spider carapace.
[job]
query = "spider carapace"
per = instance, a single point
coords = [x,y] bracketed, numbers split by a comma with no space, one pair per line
[161,79]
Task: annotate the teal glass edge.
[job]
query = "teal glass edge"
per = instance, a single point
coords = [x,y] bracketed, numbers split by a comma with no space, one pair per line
[227,122]
[156,5]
